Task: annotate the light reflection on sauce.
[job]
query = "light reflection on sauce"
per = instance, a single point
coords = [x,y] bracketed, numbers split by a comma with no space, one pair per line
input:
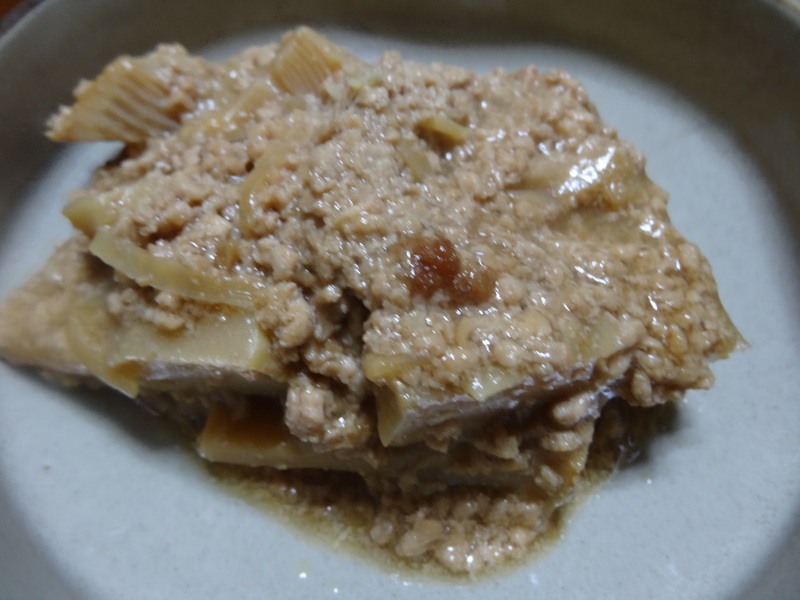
[586,173]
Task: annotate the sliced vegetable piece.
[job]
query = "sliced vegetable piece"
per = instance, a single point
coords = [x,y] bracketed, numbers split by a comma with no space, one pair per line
[413,154]
[253,434]
[444,127]
[34,317]
[590,342]
[406,412]
[229,340]
[90,334]
[170,276]
[379,367]
[127,102]
[90,212]
[491,382]
[305,60]
[263,174]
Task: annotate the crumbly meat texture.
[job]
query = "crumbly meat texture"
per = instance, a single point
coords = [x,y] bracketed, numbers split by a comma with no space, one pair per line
[432,278]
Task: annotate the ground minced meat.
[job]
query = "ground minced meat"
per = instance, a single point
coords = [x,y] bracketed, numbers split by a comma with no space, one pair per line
[422,279]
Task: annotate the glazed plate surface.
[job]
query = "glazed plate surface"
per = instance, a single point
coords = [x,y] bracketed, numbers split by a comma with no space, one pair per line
[98,501]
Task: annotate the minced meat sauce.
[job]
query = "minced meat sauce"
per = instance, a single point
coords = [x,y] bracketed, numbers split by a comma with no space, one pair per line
[408,292]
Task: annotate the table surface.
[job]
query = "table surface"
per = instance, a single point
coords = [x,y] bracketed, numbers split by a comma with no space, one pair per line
[7,5]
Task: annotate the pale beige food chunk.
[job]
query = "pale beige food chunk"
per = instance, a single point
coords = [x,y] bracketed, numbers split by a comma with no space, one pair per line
[433,279]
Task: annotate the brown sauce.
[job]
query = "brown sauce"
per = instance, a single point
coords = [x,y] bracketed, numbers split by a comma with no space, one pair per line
[338,511]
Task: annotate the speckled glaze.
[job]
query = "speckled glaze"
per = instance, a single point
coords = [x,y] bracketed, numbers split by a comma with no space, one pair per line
[97,500]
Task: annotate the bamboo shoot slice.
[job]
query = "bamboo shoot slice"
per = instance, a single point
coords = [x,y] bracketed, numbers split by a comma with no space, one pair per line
[127,102]
[445,127]
[89,213]
[379,367]
[415,158]
[168,275]
[90,333]
[254,435]
[93,210]
[230,340]
[406,412]
[305,60]
[34,317]
[263,174]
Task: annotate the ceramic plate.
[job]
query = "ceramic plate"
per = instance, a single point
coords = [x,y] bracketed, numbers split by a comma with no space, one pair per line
[98,501]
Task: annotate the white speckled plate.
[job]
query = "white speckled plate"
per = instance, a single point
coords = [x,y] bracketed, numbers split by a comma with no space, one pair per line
[98,501]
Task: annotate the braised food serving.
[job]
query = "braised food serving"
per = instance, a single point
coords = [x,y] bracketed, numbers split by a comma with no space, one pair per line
[433,280]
